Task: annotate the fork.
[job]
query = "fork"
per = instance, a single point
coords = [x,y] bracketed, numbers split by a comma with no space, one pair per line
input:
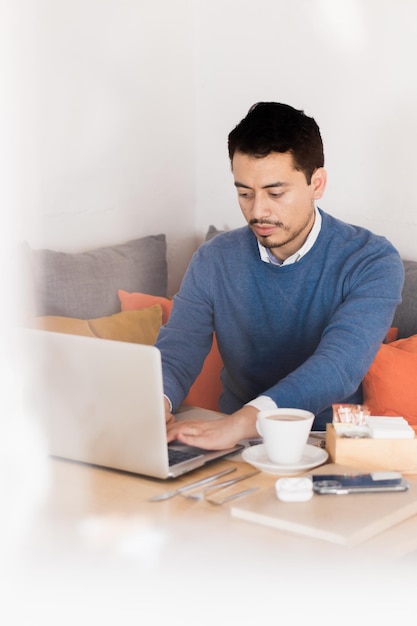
[200,495]
[174,492]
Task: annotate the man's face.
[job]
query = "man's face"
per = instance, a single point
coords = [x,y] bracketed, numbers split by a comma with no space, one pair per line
[276,200]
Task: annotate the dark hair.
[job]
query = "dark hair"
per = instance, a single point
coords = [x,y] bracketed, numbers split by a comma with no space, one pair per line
[274,127]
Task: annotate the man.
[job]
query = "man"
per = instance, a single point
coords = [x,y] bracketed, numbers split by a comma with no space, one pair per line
[300,301]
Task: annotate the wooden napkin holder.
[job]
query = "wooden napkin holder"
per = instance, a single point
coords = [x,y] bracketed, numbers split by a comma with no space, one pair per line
[372,454]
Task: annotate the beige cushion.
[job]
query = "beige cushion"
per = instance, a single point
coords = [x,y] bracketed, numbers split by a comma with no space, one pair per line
[134,326]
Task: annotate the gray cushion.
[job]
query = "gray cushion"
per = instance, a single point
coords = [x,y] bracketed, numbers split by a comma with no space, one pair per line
[405,318]
[85,284]
[212,232]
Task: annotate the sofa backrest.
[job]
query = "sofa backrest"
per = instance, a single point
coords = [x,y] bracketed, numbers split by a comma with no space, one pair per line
[405,318]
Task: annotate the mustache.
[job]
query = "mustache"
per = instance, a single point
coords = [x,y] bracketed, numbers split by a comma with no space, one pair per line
[253,222]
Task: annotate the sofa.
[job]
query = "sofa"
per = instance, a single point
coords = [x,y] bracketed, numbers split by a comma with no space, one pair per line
[119,292]
[114,292]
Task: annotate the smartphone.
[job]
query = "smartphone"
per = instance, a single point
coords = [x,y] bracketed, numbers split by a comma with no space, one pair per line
[373,482]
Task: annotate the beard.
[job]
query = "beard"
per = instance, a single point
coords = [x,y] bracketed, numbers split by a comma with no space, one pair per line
[287,234]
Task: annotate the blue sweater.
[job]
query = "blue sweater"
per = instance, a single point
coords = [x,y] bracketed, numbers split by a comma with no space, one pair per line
[303,334]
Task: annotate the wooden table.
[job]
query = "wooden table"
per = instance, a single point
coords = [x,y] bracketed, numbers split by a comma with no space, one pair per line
[97,540]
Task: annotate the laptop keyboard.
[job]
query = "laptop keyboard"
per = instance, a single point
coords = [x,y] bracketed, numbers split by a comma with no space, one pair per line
[176,455]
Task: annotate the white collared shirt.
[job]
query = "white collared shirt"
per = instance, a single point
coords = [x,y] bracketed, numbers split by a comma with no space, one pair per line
[263,403]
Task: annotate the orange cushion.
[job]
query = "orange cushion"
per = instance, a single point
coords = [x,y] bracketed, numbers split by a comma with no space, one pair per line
[390,386]
[391,335]
[206,389]
[134,301]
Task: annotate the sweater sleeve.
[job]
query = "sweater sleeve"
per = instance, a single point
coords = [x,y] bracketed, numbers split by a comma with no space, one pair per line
[186,339]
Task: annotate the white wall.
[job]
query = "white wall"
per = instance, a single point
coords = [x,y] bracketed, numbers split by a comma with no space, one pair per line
[348,63]
[124,107]
[108,98]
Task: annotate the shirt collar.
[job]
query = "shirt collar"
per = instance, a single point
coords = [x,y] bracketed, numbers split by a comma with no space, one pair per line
[268,257]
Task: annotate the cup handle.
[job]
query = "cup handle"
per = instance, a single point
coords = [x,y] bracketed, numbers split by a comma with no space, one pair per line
[258,428]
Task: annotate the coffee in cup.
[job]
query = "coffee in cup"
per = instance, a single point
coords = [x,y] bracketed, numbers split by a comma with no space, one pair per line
[284,433]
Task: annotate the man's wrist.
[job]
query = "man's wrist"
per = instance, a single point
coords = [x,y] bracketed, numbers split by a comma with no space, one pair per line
[245,421]
[169,402]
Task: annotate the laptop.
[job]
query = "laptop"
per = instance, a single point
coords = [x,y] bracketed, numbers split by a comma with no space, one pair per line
[101,402]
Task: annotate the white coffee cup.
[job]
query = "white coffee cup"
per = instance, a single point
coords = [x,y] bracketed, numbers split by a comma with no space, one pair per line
[284,433]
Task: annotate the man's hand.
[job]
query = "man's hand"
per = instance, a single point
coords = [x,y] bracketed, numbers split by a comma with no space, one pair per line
[217,434]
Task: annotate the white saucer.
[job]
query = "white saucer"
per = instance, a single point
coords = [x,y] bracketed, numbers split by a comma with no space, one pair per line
[312,457]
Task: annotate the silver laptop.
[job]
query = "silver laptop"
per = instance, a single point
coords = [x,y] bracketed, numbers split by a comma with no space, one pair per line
[101,402]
